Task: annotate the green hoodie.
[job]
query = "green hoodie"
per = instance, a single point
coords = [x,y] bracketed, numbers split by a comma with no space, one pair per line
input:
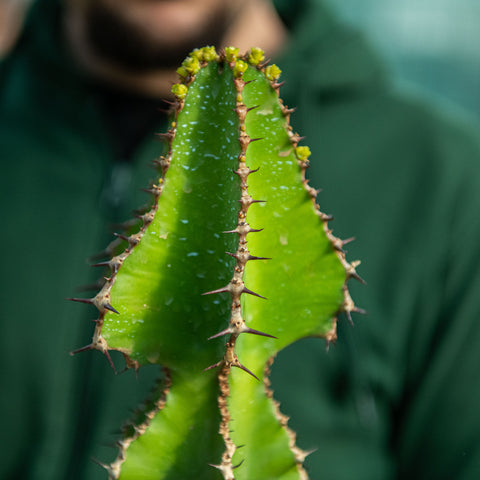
[397,396]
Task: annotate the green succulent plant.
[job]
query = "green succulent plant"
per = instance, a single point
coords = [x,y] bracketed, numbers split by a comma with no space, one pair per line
[233,262]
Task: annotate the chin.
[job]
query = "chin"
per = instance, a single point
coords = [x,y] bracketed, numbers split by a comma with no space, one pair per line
[146,35]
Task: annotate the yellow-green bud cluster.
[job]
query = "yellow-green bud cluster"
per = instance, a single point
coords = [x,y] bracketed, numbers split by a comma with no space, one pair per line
[302,153]
[231,54]
[239,68]
[272,72]
[255,56]
[180,90]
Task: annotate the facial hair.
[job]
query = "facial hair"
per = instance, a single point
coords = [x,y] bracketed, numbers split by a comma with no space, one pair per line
[124,44]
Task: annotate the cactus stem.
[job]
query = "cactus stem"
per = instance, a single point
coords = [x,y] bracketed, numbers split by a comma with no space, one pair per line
[282,419]
[158,404]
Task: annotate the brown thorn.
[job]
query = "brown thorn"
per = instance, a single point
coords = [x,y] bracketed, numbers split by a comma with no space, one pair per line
[287,110]
[109,358]
[256,332]
[220,334]
[82,349]
[252,257]
[101,264]
[245,369]
[88,301]
[246,290]
[109,307]
[361,311]
[249,172]
[356,276]
[236,466]
[93,287]
[219,290]
[167,135]
[120,235]
[215,365]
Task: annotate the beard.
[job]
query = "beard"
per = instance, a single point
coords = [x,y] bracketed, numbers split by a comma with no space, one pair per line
[125,44]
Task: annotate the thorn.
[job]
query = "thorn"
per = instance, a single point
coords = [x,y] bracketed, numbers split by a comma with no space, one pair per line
[101,464]
[236,466]
[236,172]
[215,365]
[356,276]
[303,454]
[255,139]
[109,307]
[109,358]
[245,369]
[88,301]
[252,257]
[123,237]
[287,110]
[220,334]
[325,217]
[82,349]
[101,264]
[168,135]
[220,290]
[256,332]
[246,290]
[93,287]
[245,329]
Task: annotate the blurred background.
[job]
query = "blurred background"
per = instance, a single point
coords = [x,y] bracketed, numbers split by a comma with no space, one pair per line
[431,44]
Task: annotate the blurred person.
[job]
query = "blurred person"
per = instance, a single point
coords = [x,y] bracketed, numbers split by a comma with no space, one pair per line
[11,19]
[80,98]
